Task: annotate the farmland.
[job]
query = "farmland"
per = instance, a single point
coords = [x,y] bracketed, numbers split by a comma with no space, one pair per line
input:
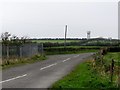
[70,49]
[54,41]
[76,42]
[56,46]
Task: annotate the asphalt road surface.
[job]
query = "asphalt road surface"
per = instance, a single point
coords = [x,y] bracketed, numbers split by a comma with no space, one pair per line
[41,74]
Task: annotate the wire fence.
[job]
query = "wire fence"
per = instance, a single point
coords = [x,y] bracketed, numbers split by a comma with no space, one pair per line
[26,50]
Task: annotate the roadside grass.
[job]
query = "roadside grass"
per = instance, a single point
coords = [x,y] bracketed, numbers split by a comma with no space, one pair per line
[22,61]
[85,76]
[82,77]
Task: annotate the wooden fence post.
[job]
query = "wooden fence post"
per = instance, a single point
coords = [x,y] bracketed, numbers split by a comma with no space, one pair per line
[112,70]
[118,74]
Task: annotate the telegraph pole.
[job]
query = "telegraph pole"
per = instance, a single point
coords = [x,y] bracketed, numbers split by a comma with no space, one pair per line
[65,36]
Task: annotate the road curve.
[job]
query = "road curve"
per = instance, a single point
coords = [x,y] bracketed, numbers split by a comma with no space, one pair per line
[41,74]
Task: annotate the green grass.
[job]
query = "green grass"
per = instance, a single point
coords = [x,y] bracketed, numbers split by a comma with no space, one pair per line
[22,61]
[85,47]
[54,41]
[62,41]
[82,77]
[69,52]
[112,55]
[86,76]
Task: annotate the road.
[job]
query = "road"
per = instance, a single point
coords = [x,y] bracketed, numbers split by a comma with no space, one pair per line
[41,74]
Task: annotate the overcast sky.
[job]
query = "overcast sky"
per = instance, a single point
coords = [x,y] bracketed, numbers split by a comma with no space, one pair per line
[48,19]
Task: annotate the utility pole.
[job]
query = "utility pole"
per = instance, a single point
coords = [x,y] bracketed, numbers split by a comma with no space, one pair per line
[65,36]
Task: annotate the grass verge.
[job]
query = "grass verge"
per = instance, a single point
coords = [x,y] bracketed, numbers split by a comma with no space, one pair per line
[22,61]
[86,76]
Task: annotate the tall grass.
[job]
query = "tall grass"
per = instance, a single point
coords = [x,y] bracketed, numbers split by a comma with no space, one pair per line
[6,63]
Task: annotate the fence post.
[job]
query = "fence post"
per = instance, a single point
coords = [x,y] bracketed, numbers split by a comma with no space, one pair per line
[112,70]
[118,74]
[7,51]
[20,51]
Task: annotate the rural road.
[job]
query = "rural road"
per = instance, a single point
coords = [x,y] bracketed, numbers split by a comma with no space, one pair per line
[41,74]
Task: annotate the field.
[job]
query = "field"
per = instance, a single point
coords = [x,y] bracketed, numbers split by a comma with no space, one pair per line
[86,75]
[77,42]
[54,41]
[70,49]
[84,47]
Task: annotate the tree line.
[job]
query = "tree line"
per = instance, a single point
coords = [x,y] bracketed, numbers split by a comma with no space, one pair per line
[9,39]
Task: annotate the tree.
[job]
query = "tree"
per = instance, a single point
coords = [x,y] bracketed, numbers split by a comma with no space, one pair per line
[14,40]
[25,39]
[5,36]
[5,40]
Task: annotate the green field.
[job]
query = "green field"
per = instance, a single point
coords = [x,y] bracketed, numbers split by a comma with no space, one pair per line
[54,41]
[86,76]
[70,49]
[112,55]
[76,42]
[84,47]
[69,52]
